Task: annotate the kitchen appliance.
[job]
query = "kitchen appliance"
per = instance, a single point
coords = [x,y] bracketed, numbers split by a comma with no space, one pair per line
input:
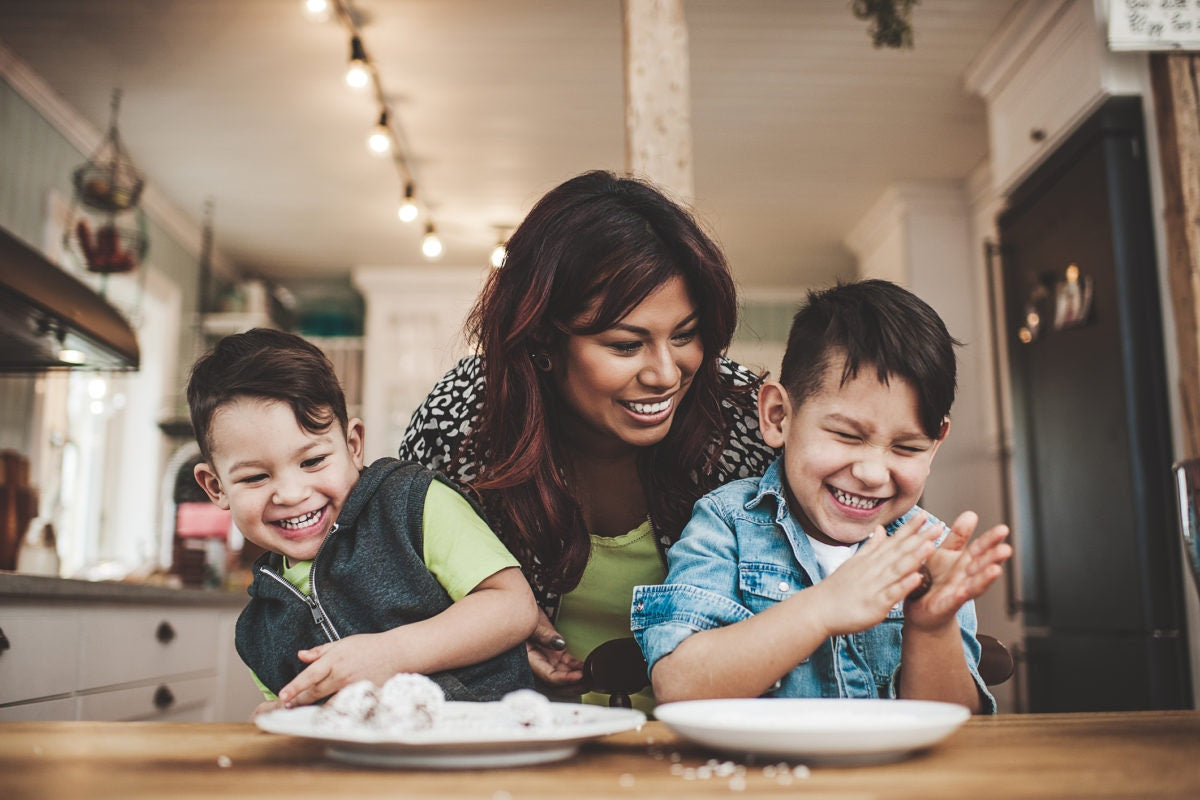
[1095,530]
[49,319]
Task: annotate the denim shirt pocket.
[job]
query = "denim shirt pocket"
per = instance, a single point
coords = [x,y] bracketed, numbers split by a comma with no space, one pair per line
[763,584]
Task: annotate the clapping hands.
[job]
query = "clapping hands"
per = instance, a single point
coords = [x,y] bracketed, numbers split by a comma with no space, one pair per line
[961,570]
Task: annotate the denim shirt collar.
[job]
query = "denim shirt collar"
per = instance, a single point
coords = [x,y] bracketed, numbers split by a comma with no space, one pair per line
[771,485]
[771,491]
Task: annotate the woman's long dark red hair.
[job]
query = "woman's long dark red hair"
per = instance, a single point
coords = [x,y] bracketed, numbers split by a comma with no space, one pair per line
[599,244]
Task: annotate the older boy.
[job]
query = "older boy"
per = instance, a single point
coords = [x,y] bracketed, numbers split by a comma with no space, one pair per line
[795,584]
[368,572]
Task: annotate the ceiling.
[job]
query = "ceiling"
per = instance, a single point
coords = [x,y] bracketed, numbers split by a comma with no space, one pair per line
[799,123]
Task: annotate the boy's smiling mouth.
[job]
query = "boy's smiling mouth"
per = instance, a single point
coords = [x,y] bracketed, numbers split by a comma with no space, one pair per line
[302,521]
[857,501]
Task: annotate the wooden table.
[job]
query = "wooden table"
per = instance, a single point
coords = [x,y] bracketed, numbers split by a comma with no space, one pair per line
[1108,755]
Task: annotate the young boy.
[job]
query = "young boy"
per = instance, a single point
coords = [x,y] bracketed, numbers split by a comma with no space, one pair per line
[795,584]
[368,572]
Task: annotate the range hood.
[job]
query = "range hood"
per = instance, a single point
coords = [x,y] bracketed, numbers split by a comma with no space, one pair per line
[49,319]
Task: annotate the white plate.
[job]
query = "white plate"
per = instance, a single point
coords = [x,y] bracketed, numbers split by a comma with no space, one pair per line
[825,730]
[474,741]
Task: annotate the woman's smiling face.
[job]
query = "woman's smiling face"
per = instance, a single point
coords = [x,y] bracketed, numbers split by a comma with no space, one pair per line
[855,454]
[624,385]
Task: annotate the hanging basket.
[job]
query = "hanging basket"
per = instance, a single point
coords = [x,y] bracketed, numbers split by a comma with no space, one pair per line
[109,186]
[112,247]
[108,180]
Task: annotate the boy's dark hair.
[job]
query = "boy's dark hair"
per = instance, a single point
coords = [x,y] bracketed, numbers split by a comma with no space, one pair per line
[873,323]
[269,364]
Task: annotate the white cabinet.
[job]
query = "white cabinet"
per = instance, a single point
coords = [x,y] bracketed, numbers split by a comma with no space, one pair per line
[1041,75]
[40,660]
[80,658]
[167,700]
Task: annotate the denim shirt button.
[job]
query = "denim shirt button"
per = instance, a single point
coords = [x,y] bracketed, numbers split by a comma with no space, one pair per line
[783,586]
[641,606]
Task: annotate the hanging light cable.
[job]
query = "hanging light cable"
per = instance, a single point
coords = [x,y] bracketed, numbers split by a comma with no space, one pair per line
[358,74]
[408,207]
[431,245]
[380,140]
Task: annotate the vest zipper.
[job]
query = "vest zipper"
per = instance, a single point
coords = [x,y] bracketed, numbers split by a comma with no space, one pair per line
[319,615]
[313,602]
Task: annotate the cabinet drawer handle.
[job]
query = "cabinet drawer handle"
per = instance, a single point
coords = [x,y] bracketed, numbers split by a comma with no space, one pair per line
[164,698]
[4,645]
[165,632]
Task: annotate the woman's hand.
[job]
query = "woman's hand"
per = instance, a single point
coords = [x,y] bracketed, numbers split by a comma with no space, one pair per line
[552,665]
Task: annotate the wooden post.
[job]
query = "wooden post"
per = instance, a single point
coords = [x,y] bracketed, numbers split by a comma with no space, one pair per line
[1176,90]
[658,120]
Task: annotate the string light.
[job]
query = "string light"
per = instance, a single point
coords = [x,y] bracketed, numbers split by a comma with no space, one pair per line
[316,10]
[431,245]
[408,207]
[500,251]
[380,140]
[358,74]
[386,137]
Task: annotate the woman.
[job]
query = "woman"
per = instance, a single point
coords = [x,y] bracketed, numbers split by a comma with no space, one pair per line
[599,408]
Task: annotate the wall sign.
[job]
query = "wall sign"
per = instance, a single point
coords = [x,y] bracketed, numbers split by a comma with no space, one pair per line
[1154,25]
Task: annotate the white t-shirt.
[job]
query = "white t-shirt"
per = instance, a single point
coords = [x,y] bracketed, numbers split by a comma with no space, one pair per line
[830,556]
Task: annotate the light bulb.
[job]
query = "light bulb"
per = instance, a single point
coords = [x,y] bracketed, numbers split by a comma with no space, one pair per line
[431,245]
[408,208]
[498,254]
[71,356]
[380,140]
[316,10]
[357,74]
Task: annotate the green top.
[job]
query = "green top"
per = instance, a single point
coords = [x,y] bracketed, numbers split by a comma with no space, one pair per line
[597,610]
[459,549]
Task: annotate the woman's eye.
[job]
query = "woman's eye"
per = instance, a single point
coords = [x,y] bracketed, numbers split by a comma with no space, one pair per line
[625,348]
[909,450]
[309,463]
[846,437]
[252,479]
[684,337]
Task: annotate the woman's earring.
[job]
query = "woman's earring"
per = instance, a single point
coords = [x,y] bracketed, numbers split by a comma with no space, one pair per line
[541,361]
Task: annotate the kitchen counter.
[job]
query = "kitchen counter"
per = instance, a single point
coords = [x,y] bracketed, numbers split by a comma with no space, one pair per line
[1110,755]
[14,586]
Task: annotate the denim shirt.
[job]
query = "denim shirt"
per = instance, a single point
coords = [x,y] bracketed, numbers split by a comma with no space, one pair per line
[741,553]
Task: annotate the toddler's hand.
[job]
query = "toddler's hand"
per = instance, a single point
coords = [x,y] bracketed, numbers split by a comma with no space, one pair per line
[960,572]
[336,665]
[859,594]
